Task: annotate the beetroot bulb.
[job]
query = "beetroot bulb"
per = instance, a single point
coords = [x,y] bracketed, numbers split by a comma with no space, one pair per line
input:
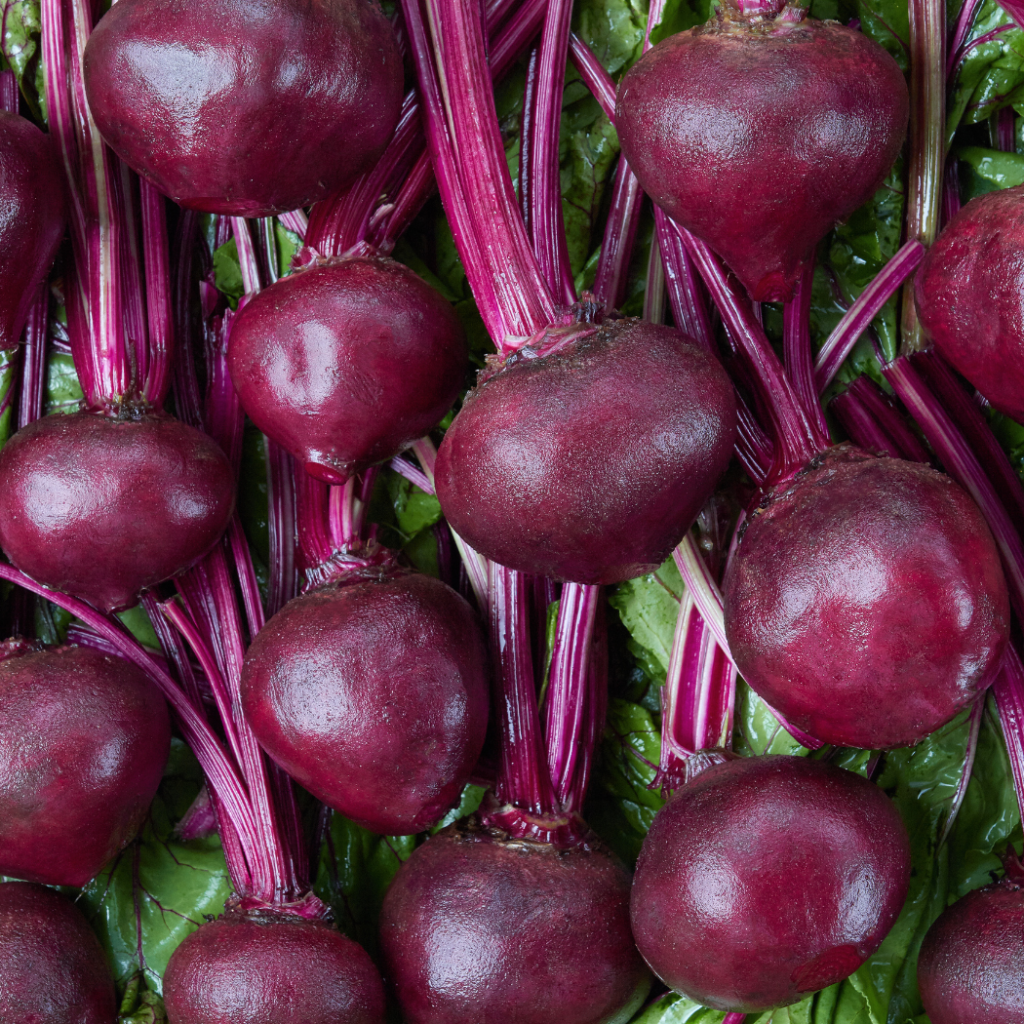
[371,692]
[347,362]
[971,966]
[84,738]
[52,967]
[767,878]
[760,130]
[103,505]
[866,601]
[245,107]
[968,294]
[480,928]
[262,968]
[32,224]
[590,463]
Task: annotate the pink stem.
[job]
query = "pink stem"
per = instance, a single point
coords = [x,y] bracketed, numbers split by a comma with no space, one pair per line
[796,341]
[567,686]
[1008,690]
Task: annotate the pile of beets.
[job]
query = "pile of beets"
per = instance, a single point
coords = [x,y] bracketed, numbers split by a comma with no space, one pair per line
[861,571]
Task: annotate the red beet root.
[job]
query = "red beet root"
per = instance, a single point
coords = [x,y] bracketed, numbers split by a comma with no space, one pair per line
[971,967]
[101,508]
[271,969]
[372,694]
[759,137]
[347,363]
[247,107]
[591,463]
[479,930]
[968,292]
[84,738]
[52,967]
[767,878]
[866,601]
[32,201]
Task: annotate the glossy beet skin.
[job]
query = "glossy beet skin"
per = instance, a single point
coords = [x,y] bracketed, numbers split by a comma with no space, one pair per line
[969,292]
[347,363]
[31,219]
[52,967]
[767,878]
[84,738]
[866,601]
[271,969]
[101,507]
[245,107]
[971,966]
[373,695]
[591,463]
[760,138]
[479,930]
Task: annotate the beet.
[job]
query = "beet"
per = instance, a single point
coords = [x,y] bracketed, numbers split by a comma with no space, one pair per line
[101,507]
[968,290]
[767,878]
[347,363]
[245,107]
[269,968]
[591,463]
[32,200]
[372,693]
[971,966]
[866,600]
[84,738]
[52,967]
[479,929]
[759,136]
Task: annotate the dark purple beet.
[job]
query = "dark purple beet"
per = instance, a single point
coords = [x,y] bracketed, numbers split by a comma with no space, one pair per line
[84,738]
[968,293]
[271,969]
[591,463]
[866,601]
[247,107]
[32,221]
[767,878]
[373,695]
[759,138]
[347,363]
[52,967]
[477,929]
[101,507]
[971,966]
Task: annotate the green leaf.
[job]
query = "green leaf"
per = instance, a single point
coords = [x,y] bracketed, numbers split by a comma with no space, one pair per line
[613,29]
[757,729]
[991,75]
[857,251]
[985,170]
[227,272]
[21,50]
[415,510]
[887,22]
[63,392]
[159,889]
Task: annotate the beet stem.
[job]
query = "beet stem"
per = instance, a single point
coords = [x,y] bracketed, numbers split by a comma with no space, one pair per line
[95,307]
[856,320]
[282,526]
[619,237]
[689,308]
[796,335]
[567,706]
[968,12]
[523,779]
[594,76]
[797,438]
[296,221]
[1008,690]
[927,141]
[545,224]
[963,465]
[655,296]
[473,177]
[702,588]
[32,389]
[873,422]
[9,99]
[156,261]
[973,733]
